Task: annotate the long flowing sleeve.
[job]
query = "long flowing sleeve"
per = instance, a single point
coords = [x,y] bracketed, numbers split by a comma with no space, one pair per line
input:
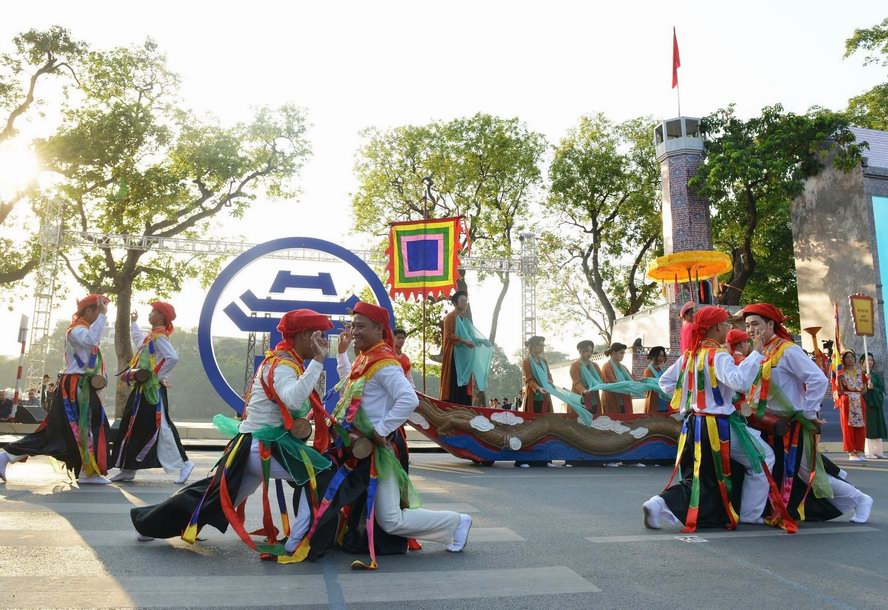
[404,399]
[737,377]
[343,365]
[88,338]
[809,374]
[292,390]
[137,335]
[669,379]
[166,353]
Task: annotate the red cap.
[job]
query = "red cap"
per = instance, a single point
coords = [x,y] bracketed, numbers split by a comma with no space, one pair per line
[377,314]
[766,310]
[735,336]
[167,311]
[704,319]
[298,320]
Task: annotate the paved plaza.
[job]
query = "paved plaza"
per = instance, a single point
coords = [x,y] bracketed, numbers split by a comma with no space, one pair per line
[543,538]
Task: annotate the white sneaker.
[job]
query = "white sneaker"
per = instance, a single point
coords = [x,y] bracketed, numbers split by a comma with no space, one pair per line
[185,472]
[855,458]
[95,479]
[652,512]
[142,538]
[124,475]
[523,465]
[551,465]
[4,461]
[461,535]
[756,521]
[862,509]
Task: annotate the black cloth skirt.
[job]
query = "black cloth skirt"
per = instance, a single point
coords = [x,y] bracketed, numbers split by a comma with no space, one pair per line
[816,509]
[711,510]
[55,437]
[170,518]
[124,455]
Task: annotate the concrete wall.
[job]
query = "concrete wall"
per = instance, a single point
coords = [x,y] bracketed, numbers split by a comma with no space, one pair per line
[835,252]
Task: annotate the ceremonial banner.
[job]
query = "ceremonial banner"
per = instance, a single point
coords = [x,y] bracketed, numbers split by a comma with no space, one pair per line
[862,314]
[423,256]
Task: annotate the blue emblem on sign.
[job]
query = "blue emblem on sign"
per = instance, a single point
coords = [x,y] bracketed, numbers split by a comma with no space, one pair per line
[269,309]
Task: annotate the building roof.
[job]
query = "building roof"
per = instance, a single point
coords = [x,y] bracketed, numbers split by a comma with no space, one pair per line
[877,154]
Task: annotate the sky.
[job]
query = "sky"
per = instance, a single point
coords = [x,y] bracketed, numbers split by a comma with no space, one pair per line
[353,65]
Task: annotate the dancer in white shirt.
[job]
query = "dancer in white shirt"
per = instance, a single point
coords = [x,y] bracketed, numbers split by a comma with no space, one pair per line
[147,436]
[75,430]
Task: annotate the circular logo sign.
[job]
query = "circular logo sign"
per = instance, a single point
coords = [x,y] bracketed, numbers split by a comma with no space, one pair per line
[270,279]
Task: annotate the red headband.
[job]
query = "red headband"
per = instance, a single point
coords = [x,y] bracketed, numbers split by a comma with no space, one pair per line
[735,336]
[380,315]
[704,319]
[299,320]
[167,311]
[766,310]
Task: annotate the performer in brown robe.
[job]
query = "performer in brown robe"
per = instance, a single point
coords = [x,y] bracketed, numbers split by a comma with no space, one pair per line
[450,390]
[536,399]
[612,402]
[654,404]
[591,398]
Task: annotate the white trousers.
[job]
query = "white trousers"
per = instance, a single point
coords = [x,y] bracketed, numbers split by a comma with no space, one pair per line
[436,525]
[167,452]
[755,485]
[845,495]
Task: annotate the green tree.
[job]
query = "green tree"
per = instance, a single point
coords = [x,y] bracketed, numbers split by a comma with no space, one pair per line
[605,199]
[132,161]
[38,55]
[870,109]
[751,172]
[484,168]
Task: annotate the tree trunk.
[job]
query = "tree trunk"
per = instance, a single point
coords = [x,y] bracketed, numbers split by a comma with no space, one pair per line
[742,257]
[506,279]
[14,275]
[123,343]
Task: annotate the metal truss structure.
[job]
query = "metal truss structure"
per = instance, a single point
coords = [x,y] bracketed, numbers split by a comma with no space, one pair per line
[53,239]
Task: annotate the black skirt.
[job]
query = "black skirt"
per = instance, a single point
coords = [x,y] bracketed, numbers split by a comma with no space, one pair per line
[54,436]
[816,509]
[170,518]
[125,454]
[711,510]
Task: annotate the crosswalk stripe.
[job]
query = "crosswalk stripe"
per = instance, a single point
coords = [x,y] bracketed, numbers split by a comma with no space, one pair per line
[463,584]
[287,588]
[760,533]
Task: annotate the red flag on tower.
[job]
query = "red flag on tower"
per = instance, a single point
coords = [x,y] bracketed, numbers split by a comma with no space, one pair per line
[676,60]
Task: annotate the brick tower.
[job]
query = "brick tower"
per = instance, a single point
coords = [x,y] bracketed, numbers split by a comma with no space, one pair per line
[686,222]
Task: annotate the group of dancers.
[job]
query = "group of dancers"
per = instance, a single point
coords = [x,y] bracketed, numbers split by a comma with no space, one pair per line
[349,485]
[75,430]
[758,406]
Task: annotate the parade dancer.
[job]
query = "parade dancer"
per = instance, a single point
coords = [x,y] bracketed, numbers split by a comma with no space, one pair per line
[703,382]
[401,448]
[75,431]
[375,400]
[789,385]
[265,446]
[147,436]
[739,345]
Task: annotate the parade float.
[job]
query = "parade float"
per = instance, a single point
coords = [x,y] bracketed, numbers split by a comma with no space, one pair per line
[485,436]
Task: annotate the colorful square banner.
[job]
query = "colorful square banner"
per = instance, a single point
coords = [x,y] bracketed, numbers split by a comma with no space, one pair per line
[423,257]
